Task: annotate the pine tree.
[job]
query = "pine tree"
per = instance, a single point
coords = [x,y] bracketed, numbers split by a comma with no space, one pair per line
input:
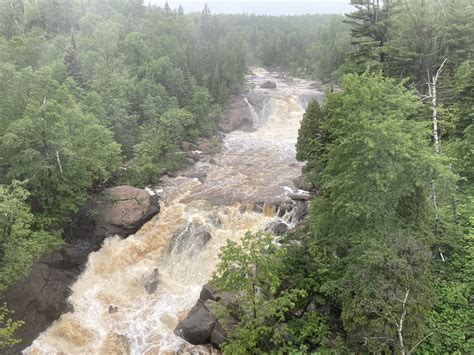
[369,28]
[180,11]
[206,30]
[310,131]
[167,9]
[72,62]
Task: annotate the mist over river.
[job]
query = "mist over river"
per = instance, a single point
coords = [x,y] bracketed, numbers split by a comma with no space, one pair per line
[134,291]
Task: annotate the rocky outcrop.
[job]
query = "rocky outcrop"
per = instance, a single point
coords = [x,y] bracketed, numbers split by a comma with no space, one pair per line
[269,85]
[236,116]
[201,325]
[277,228]
[41,297]
[120,210]
[191,239]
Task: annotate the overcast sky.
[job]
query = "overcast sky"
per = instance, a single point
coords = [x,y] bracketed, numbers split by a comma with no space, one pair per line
[263,7]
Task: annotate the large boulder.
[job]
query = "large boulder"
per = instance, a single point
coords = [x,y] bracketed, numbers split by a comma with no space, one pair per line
[237,115]
[201,325]
[120,210]
[269,85]
[277,228]
[41,297]
[191,239]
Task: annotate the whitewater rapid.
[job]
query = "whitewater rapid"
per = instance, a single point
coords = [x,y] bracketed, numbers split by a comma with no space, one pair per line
[113,312]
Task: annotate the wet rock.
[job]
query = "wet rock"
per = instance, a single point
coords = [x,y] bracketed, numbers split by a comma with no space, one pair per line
[277,228]
[258,207]
[188,146]
[191,239]
[113,309]
[268,85]
[201,325]
[151,283]
[121,210]
[301,211]
[300,196]
[284,208]
[215,220]
[197,327]
[41,297]
[236,116]
[301,183]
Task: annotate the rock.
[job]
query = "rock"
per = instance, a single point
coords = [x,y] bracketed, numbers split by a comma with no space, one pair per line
[188,146]
[41,297]
[268,85]
[215,220]
[121,210]
[236,116]
[113,309]
[277,228]
[284,208]
[151,283]
[258,207]
[191,239]
[197,327]
[201,325]
[300,196]
[301,211]
[301,183]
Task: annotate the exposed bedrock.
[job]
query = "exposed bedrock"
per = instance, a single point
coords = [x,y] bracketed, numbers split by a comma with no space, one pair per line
[41,297]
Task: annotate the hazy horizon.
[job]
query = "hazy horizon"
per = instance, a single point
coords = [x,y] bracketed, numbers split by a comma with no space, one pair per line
[262,7]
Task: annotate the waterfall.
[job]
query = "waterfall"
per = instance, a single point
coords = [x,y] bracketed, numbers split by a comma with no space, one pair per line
[256,121]
[134,291]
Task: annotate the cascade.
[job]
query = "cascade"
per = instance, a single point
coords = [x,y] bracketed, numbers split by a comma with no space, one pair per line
[134,291]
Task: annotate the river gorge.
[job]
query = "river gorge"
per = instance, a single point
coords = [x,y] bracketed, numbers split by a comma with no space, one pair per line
[134,291]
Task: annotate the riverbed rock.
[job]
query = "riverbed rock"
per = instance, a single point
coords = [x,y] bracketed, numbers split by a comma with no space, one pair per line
[197,327]
[277,228]
[151,284]
[301,183]
[191,239]
[120,210]
[269,85]
[236,116]
[41,297]
[300,195]
[201,325]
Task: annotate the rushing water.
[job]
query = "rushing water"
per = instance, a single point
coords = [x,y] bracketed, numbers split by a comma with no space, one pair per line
[114,313]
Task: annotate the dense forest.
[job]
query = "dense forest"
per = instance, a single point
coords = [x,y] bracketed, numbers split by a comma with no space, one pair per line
[99,93]
[384,262]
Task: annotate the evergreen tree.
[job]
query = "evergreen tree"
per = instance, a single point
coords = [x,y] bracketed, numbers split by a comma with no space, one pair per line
[167,9]
[71,60]
[372,216]
[369,28]
[180,11]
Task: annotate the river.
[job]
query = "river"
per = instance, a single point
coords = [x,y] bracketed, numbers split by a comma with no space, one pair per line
[113,312]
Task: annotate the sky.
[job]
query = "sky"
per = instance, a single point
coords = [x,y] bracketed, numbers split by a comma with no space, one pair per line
[262,7]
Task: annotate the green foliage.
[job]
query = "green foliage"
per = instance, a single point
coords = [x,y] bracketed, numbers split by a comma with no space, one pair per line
[369,27]
[8,328]
[253,272]
[373,212]
[59,151]
[20,242]
[311,142]
[158,150]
